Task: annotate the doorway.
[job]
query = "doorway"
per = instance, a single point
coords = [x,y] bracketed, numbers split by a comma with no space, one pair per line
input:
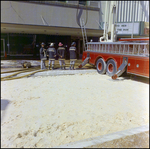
[2,47]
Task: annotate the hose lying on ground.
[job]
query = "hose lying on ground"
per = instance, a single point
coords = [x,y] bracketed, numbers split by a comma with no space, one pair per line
[26,70]
[5,79]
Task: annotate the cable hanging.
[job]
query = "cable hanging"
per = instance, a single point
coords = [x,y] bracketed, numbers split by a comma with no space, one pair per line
[78,15]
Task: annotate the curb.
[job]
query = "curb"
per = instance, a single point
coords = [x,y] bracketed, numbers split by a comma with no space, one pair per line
[131,138]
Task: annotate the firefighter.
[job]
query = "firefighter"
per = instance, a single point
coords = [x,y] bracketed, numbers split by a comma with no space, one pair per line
[72,51]
[43,55]
[51,52]
[61,54]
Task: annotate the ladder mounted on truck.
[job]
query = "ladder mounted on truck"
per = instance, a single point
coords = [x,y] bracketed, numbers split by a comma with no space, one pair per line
[83,34]
[84,42]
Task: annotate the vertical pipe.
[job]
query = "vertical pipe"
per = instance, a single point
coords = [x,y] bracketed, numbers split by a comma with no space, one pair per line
[134,13]
[137,12]
[118,11]
[126,11]
[129,6]
[141,13]
[121,12]
[133,18]
[148,10]
[139,17]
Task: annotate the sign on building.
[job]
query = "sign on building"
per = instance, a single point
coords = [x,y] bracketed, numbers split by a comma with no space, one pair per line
[128,28]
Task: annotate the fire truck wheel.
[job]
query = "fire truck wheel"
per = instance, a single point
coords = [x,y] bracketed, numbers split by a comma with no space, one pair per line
[101,66]
[111,67]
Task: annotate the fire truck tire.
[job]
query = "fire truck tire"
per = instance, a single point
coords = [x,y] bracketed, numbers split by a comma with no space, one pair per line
[101,66]
[111,67]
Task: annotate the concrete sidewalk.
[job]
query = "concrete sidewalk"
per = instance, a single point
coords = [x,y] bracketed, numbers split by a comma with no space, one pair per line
[64,72]
[56,72]
[34,63]
[9,65]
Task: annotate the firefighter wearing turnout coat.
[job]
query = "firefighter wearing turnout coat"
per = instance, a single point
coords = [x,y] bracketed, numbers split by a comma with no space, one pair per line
[51,52]
[61,54]
[43,56]
[72,51]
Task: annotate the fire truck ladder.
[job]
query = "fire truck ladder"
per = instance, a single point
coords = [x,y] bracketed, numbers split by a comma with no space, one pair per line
[83,33]
[84,42]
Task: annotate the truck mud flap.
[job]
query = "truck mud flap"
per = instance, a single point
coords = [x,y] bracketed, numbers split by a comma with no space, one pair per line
[84,62]
[121,69]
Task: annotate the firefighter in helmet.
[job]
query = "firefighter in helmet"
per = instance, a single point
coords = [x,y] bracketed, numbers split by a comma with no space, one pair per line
[61,54]
[43,56]
[51,52]
[72,51]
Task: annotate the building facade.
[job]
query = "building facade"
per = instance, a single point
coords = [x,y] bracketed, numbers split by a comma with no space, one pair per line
[25,24]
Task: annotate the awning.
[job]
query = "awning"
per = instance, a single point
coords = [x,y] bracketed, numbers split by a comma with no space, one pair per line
[49,30]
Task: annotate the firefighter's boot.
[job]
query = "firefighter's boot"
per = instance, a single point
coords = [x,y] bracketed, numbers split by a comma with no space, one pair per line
[52,67]
[73,67]
[70,67]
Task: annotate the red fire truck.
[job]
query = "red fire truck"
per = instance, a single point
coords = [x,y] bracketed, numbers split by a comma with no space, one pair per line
[115,57]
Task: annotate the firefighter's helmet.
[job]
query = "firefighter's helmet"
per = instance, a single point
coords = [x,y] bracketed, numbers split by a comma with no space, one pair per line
[73,44]
[42,43]
[52,44]
[60,44]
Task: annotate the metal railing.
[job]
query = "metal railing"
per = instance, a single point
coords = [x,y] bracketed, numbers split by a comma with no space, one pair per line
[139,49]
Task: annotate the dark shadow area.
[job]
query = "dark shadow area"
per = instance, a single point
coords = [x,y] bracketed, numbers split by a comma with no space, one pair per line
[136,78]
[4,103]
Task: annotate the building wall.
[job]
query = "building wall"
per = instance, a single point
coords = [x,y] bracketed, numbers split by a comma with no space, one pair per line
[133,11]
[128,11]
[41,14]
